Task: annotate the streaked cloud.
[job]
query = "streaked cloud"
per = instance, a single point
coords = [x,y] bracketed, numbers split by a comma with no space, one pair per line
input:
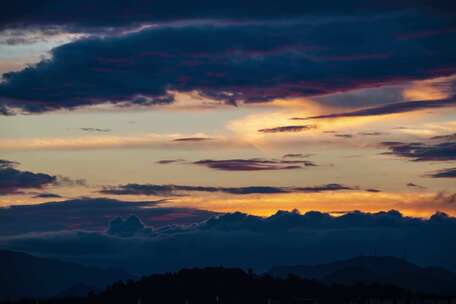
[394,108]
[171,190]
[284,129]
[445,173]
[254,164]
[416,151]
[14,181]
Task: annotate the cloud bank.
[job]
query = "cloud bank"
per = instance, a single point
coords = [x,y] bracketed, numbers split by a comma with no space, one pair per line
[250,241]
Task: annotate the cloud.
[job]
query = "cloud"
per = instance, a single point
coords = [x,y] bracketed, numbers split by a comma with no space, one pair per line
[250,241]
[95,130]
[233,61]
[126,227]
[14,181]
[90,214]
[287,129]
[371,133]
[445,151]
[170,161]
[86,17]
[445,137]
[413,185]
[192,139]
[394,108]
[168,190]
[343,135]
[254,164]
[296,155]
[47,195]
[445,173]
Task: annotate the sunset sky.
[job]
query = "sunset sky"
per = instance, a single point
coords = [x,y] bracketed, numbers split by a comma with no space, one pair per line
[222,107]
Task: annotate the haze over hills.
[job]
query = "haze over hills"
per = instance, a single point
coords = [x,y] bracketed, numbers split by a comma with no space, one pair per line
[371,269]
[24,275]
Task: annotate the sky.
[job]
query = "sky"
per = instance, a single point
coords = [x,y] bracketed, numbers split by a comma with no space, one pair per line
[203,108]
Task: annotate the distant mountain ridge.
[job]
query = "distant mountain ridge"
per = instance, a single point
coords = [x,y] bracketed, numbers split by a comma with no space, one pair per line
[370,269]
[23,275]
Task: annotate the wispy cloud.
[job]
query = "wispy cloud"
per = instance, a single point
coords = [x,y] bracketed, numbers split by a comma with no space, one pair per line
[170,190]
[445,173]
[416,151]
[288,129]
[13,180]
[254,164]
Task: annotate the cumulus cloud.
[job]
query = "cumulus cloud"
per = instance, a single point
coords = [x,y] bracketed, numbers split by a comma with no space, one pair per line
[254,164]
[91,214]
[14,181]
[250,241]
[167,190]
[128,227]
[244,62]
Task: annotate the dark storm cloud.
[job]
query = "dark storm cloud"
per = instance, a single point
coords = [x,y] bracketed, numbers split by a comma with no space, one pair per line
[169,190]
[250,62]
[87,15]
[416,151]
[14,181]
[250,241]
[285,129]
[254,164]
[445,173]
[92,214]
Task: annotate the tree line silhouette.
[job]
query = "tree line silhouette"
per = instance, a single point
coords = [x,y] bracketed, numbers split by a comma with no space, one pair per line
[232,285]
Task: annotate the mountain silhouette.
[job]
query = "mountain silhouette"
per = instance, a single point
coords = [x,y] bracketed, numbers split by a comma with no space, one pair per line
[24,276]
[369,269]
